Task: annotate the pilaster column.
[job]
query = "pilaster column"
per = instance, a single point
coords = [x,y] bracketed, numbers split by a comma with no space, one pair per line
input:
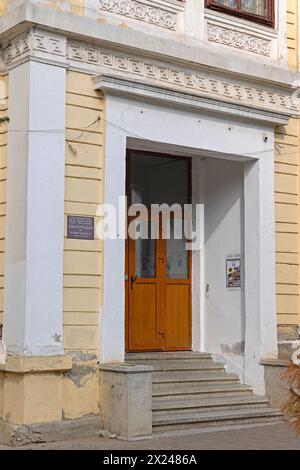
[31,378]
[33,293]
[260,298]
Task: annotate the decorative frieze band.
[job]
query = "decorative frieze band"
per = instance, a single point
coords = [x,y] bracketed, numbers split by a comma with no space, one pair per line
[186,80]
[239,40]
[142,11]
[50,46]
[41,45]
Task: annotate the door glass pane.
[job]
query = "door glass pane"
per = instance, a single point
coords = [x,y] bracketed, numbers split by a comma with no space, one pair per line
[177,255]
[158,180]
[145,252]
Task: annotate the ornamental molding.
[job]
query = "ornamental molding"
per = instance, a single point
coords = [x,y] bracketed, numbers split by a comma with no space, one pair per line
[195,80]
[239,40]
[38,44]
[178,78]
[119,86]
[148,12]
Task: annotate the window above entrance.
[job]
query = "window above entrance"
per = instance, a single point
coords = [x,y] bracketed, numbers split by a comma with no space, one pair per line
[259,11]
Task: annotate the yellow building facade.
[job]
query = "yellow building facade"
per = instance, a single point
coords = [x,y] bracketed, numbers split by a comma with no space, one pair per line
[99,81]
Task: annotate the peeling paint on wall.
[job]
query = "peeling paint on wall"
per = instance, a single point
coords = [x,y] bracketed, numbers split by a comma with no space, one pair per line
[80,373]
[81,386]
[57,338]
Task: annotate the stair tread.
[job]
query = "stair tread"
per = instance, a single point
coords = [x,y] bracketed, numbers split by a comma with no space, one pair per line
[171,418]
[170,366]
[192,376]
[190,390]
[167,356]
[205,388]
[206,402]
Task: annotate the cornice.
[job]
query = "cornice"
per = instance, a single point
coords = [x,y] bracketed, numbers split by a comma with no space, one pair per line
[192,80]
[50,47]
[119,86]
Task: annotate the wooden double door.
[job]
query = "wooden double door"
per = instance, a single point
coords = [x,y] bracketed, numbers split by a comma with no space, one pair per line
[158,268]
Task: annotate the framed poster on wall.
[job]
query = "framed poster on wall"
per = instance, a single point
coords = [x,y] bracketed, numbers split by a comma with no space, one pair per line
[233,272]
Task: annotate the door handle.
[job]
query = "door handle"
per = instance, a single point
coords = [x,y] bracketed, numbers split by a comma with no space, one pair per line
[132,281]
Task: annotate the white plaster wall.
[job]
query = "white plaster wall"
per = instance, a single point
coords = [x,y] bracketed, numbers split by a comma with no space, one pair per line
[112,317]
[224,308]
[260,330]
[194,19]
[33,294]
[198,286]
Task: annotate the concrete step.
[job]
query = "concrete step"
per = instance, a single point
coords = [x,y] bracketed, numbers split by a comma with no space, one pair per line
[190,391]
[183,391]
[185,387]
[170,421]
[166,356]
[192,376]
[179,365]
[160,407]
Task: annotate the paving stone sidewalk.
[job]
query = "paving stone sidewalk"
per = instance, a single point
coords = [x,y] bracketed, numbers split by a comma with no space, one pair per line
[271,437]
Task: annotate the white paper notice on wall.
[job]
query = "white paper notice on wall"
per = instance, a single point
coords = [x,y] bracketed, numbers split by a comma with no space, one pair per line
[233,272]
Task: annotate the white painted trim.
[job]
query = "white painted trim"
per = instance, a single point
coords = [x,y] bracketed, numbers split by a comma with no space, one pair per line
[260,330]
[145,125]
[112,318]
[33,288]
[198,274]
[116,84]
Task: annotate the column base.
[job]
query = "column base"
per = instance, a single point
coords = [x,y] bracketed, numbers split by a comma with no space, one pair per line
[276,390]
[31,389]
[126,399]
[15,435]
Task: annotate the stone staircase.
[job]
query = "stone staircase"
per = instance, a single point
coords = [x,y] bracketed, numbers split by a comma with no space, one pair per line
[190,390]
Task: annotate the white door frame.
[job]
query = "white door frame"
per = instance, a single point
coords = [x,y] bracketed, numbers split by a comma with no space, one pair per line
[141,125]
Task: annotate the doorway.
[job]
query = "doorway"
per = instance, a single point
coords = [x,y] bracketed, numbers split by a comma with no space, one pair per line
[158,265]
